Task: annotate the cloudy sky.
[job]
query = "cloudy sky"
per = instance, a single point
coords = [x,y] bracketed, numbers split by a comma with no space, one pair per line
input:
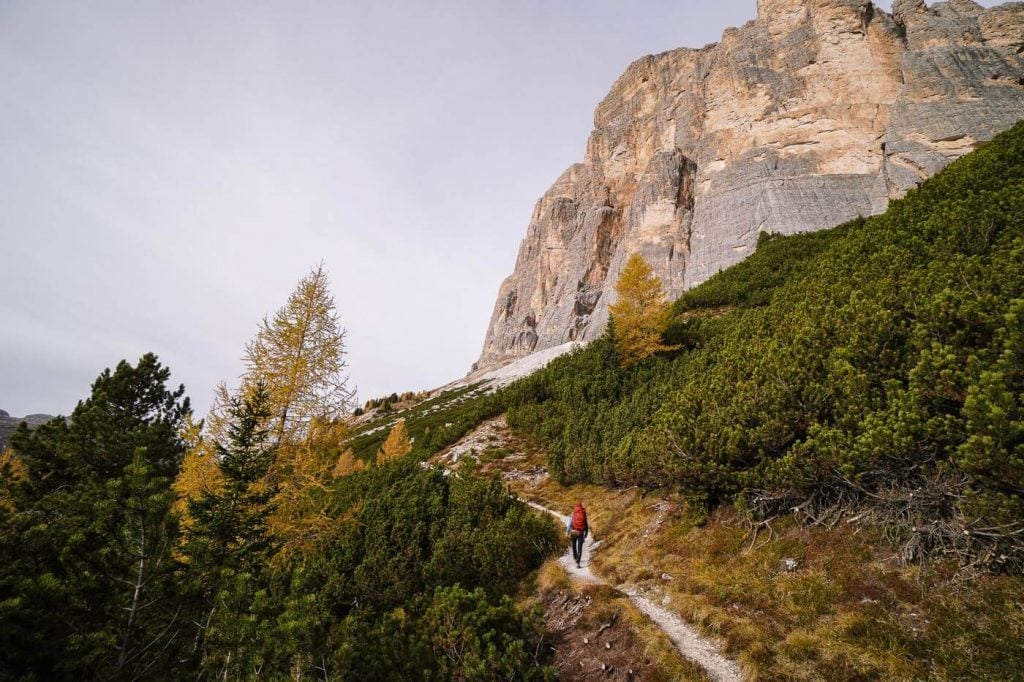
[169,170]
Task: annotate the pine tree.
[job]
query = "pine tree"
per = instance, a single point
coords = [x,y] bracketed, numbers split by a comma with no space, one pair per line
[90,535]
[396,445]
[231,520]
[640,312]
[228,543]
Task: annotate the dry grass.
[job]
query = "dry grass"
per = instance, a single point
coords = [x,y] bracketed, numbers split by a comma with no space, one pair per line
[552,576]
[659,648]
[848,610]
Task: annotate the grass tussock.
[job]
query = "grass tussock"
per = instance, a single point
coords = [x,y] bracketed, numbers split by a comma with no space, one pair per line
[552,576]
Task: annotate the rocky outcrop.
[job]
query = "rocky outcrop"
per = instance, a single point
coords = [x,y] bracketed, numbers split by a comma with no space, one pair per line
[812,114]
[9,425]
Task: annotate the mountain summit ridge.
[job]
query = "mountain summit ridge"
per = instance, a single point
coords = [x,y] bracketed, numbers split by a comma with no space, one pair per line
[813,113]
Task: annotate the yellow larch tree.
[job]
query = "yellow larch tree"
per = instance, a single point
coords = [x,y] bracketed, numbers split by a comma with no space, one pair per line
[640,313]
[299,355]
[396,445]
[298,358]
[199,472]
[11,469]
[303,471]
[348,464]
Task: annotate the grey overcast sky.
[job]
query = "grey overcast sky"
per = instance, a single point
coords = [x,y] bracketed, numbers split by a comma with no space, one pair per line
[169,170]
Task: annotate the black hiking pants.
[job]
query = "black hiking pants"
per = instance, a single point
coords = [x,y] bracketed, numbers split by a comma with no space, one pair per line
[577,546]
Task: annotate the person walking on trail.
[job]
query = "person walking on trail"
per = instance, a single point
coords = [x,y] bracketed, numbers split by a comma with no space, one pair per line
[577,529]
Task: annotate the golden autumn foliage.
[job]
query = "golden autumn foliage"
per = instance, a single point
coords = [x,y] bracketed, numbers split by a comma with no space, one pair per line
[299,356]
[301,473]
[640,313]
[199,472]
[347,464]
[397,444]
[11,464]
[11,469]
[218,421]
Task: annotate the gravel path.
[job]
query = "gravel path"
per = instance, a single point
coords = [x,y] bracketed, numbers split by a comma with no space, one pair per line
[688,641]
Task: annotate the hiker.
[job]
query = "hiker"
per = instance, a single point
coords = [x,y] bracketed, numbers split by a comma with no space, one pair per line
[576,530]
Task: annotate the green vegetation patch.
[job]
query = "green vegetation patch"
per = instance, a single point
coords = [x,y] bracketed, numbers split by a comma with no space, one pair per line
[878,364]
[433,424]
[751,282]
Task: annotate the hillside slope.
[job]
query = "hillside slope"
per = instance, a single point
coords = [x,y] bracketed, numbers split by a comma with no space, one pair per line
[830,471]
[789,601]
[883,357]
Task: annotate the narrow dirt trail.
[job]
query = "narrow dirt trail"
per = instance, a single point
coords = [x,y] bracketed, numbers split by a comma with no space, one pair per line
[690,643]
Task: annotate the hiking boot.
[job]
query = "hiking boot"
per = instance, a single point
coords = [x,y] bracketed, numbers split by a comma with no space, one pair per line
[578,565]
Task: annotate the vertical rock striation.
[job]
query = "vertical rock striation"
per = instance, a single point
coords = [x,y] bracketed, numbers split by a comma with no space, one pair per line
[812,114]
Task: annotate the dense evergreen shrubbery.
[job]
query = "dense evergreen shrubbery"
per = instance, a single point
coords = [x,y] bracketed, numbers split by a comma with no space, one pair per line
[886,354]
[412,529]
[422,566]
[409,545]
[751,282]
[452,634]
[409,577]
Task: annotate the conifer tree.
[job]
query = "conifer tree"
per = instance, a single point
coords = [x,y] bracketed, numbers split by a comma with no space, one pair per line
[298,360]
[640,312]
[302,473]
[90,535]
[228,543]
[299,356]
[231,520]
[396,445]
[12,469]
[347,464]
[199,471]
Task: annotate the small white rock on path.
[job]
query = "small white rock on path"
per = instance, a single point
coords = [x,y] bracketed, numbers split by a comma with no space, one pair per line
[690,643]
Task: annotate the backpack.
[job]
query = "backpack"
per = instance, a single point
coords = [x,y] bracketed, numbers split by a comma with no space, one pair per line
[579,519]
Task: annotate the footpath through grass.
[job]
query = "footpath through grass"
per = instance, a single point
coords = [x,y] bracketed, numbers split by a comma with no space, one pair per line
[793,602]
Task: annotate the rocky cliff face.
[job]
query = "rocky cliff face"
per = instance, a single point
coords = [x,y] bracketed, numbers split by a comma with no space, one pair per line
[814,113]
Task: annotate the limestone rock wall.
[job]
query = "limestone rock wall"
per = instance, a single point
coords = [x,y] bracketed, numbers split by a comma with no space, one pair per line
[812,114]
